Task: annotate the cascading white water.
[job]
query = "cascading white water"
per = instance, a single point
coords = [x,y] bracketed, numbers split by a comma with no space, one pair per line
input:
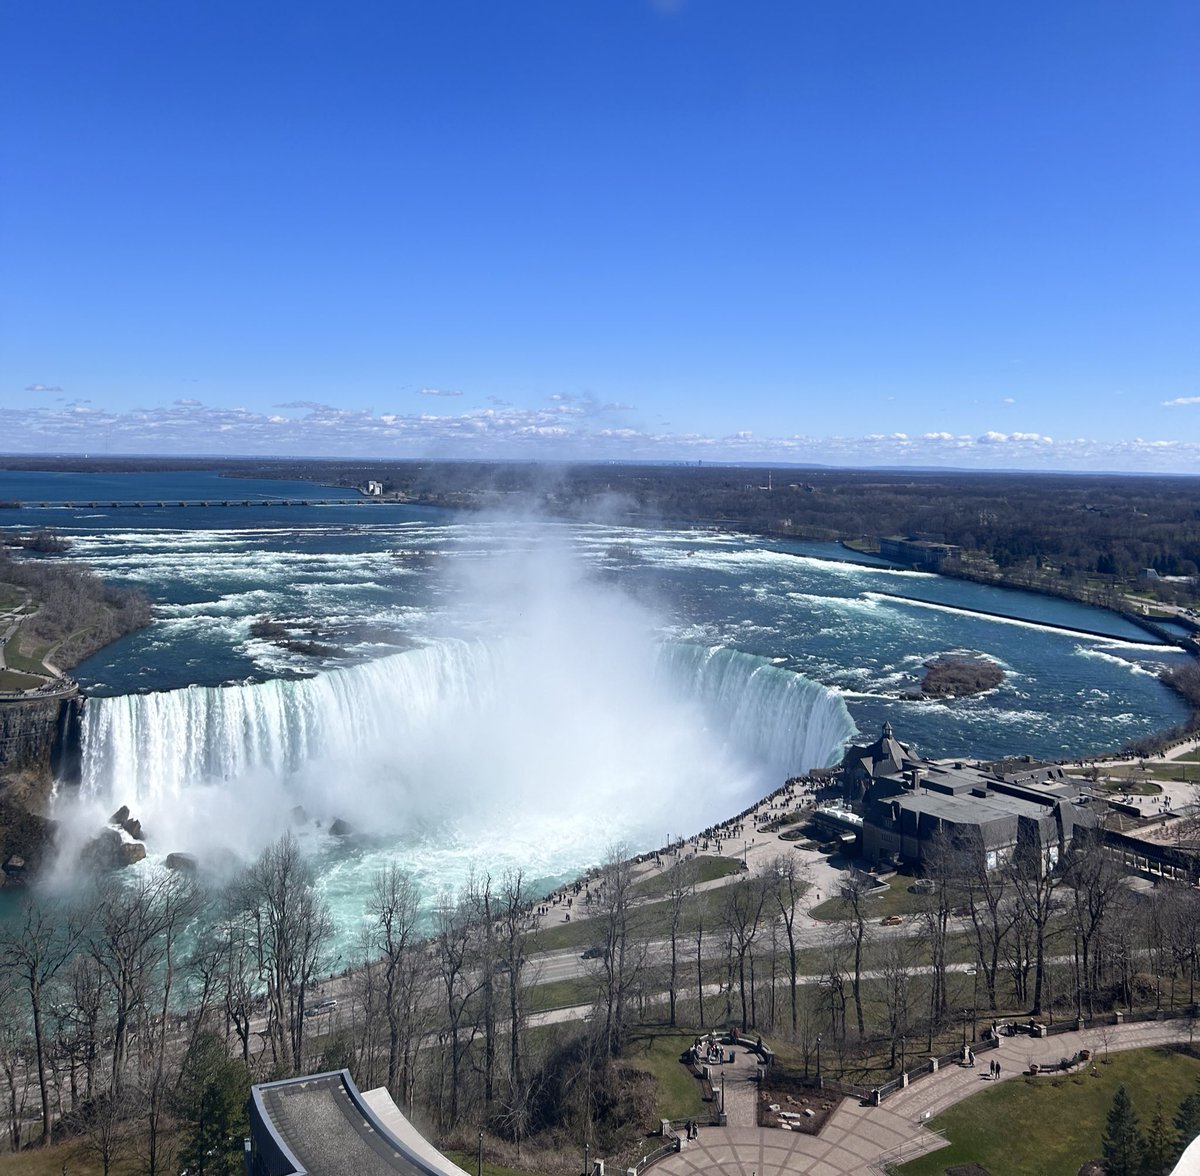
[144,749]
[784,721]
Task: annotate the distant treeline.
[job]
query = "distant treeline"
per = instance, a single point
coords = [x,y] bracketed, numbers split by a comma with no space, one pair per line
[1094,525]
[1028,526]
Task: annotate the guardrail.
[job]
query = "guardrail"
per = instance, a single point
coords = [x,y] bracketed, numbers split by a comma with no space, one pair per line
[887,1163]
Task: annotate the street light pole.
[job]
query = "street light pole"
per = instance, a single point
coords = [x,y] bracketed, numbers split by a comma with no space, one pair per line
[818,1056]
[587,1148]
[479,1159]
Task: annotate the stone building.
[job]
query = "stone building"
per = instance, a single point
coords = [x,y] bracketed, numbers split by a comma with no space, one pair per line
[998,811]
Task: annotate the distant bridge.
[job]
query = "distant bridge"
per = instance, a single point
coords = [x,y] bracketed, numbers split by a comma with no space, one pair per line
[148,503]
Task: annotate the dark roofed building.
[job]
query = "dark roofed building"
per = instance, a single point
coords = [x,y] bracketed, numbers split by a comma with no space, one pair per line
[862,766]
[906,801]
[322,1125]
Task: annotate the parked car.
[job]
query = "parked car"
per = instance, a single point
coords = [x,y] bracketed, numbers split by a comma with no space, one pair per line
[892,920]
[595,952]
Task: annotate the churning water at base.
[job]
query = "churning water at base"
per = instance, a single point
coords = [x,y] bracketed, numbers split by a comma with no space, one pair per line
[464,754]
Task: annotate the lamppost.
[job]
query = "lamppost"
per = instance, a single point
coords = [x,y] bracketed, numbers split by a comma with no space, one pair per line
[818,1056]
[722,1092]
[479,1158]
[964,1024]
[587,1148]
[903,1043]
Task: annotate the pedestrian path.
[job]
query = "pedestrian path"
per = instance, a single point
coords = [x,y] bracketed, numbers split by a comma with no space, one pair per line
[857,1138]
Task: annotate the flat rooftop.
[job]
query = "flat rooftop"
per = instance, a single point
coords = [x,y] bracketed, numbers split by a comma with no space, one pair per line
[970,809]
[331,1131]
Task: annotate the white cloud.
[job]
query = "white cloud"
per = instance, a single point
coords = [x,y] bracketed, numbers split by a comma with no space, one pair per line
[504,430]
[43,388]
[1181,400]
[440,392]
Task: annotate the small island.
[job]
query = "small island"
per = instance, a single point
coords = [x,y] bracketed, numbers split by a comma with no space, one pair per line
[959,677]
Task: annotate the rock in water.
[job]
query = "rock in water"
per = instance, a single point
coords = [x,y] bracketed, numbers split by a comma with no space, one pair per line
[185,862]
[110,851]
[340,828]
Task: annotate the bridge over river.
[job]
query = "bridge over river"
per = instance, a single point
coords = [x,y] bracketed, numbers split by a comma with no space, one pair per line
[146,503]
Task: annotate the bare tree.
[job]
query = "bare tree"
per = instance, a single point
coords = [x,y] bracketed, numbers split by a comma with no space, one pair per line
[1036,882]
[516,927]
[394,907]
[1096,890]
[856,931]
[788,879]
[683,889]
[132,936]
[897,963]
[292,928]
[742,912]
[940,861]
[16,1057]
[623,958]
[34,949]
[987,895]
[110,1135]
[453,947]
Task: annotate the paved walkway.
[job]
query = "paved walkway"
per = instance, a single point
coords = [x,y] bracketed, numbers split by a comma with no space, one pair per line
[857,1137]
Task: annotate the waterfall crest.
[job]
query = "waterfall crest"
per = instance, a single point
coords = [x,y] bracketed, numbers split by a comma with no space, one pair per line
[148,748]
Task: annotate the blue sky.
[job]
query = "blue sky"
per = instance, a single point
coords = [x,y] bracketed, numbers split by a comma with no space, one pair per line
[846,232]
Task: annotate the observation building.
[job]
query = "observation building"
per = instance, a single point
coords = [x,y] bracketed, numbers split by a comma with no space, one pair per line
[323,1125]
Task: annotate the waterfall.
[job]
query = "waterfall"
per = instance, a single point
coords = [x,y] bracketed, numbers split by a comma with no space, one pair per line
[150,748]
[787,722]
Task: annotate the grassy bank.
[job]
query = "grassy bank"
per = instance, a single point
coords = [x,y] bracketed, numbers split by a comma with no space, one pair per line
[1053,1126]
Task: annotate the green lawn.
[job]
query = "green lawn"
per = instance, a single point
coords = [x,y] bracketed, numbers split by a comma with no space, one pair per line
[652,919]
[700,869]
[898,901]
[1024,1127]
[12,680]
[561,994]
[469,1163]
[31,662]
[11,597]
[657,1051]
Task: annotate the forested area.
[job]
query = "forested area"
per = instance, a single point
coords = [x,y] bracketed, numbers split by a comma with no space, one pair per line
[76,612]
[133,1019]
